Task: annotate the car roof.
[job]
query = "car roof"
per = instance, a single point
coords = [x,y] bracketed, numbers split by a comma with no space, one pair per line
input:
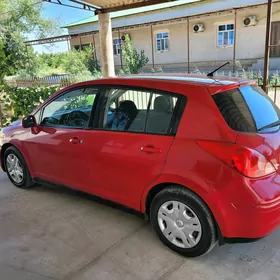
[198,80]
[188,78]
[169,82]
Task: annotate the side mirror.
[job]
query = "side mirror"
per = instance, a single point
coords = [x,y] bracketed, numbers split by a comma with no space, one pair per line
[29,121]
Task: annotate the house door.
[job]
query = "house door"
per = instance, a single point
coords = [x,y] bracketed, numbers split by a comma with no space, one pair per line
[275,39]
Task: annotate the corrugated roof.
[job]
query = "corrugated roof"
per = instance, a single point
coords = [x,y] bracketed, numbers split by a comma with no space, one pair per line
[124,13]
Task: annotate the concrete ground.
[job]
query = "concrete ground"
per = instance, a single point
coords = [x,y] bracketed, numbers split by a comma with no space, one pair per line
[56,233]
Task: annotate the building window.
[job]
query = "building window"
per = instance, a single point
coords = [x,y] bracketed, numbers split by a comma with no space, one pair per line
[162,41]
[226,35]
[81,47]
[117,46]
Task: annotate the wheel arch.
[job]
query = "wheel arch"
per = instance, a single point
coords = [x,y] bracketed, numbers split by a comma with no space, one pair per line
[20,148]
[194,184]
[3,150]
[153,191]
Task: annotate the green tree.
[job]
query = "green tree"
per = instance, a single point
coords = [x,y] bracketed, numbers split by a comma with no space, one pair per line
[87,56]
[19,18]
[134,61]
[73,64]
[3,62]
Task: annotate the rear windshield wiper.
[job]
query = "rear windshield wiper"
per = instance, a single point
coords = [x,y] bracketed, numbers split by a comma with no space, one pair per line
[269,125]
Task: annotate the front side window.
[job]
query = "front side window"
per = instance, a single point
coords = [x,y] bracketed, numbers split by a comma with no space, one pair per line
[162,41]
[226,35]
[71,109]
[117,46]
[139,111]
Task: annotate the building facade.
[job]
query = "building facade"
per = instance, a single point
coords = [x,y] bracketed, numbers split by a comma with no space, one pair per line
[198,35]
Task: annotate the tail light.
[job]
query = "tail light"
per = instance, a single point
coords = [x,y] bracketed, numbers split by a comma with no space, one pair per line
[247,161]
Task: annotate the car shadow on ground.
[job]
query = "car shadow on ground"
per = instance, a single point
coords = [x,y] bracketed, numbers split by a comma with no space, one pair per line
[77,194]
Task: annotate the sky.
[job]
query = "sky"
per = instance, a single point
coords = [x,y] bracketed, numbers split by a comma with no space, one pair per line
[66,15]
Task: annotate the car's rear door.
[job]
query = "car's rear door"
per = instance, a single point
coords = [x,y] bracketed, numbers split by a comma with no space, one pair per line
[126,159]
[59,152]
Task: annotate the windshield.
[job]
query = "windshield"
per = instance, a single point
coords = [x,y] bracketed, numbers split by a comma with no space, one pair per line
[248,109]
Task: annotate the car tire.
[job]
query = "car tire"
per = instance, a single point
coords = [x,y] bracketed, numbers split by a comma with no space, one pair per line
[17,169]
[183,222]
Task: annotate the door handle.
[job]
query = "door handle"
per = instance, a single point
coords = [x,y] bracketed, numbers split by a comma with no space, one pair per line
[75,140]
[151,150]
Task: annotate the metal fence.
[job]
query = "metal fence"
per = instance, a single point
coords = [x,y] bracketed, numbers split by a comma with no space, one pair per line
[54,80]
[65,80]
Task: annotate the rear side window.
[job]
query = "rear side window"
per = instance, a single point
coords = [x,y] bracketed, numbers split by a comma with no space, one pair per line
[247,109]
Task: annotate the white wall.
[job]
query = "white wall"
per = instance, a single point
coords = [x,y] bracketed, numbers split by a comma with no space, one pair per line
[191,9]
[203,46]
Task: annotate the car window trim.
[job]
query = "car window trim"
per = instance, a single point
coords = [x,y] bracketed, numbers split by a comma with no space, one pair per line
[92,111]
[172,130]
[251,113]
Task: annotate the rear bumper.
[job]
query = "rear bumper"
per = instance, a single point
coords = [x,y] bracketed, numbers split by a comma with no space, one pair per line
[253,226]
[251,212]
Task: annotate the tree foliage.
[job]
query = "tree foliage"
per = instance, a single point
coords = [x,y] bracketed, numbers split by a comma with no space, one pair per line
[134,61]
[19,18]
[22,101]
[73,62]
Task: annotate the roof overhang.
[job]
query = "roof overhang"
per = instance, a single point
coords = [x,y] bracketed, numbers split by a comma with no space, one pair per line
[108,6]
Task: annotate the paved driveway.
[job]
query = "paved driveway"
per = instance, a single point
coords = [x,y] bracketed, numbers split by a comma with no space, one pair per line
[55,233]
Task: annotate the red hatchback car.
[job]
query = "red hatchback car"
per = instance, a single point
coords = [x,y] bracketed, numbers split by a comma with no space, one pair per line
[199,155]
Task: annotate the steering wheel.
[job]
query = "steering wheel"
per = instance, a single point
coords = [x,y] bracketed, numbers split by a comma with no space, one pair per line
[78,118]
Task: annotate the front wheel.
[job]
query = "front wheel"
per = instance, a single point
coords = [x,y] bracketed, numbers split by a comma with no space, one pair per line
[183,222]
[17,169]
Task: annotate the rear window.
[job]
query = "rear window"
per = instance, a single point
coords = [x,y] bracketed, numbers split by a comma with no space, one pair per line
[247,109]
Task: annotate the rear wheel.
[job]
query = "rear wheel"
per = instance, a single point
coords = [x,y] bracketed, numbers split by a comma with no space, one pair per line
[17,169]
[183,222]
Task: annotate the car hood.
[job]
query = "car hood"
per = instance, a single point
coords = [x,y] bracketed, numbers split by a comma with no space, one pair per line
[13,125]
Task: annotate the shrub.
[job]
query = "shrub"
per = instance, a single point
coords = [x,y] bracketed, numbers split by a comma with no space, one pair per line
[22,101]
[134,61]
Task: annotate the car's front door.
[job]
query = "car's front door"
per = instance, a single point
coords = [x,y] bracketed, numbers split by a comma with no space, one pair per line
[59,152]
[132,143]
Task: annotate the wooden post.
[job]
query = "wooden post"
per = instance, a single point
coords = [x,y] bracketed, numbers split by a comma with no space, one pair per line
[152,40]
[80,37]
[275,89]
[234,43]
[267,46]
[188,36]
[119,35]
[94,46]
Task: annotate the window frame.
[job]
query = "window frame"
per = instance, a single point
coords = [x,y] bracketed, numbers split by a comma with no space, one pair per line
[225,31]
[118,44]
[157,32]
[175,119]
[93,110]
[82,46]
